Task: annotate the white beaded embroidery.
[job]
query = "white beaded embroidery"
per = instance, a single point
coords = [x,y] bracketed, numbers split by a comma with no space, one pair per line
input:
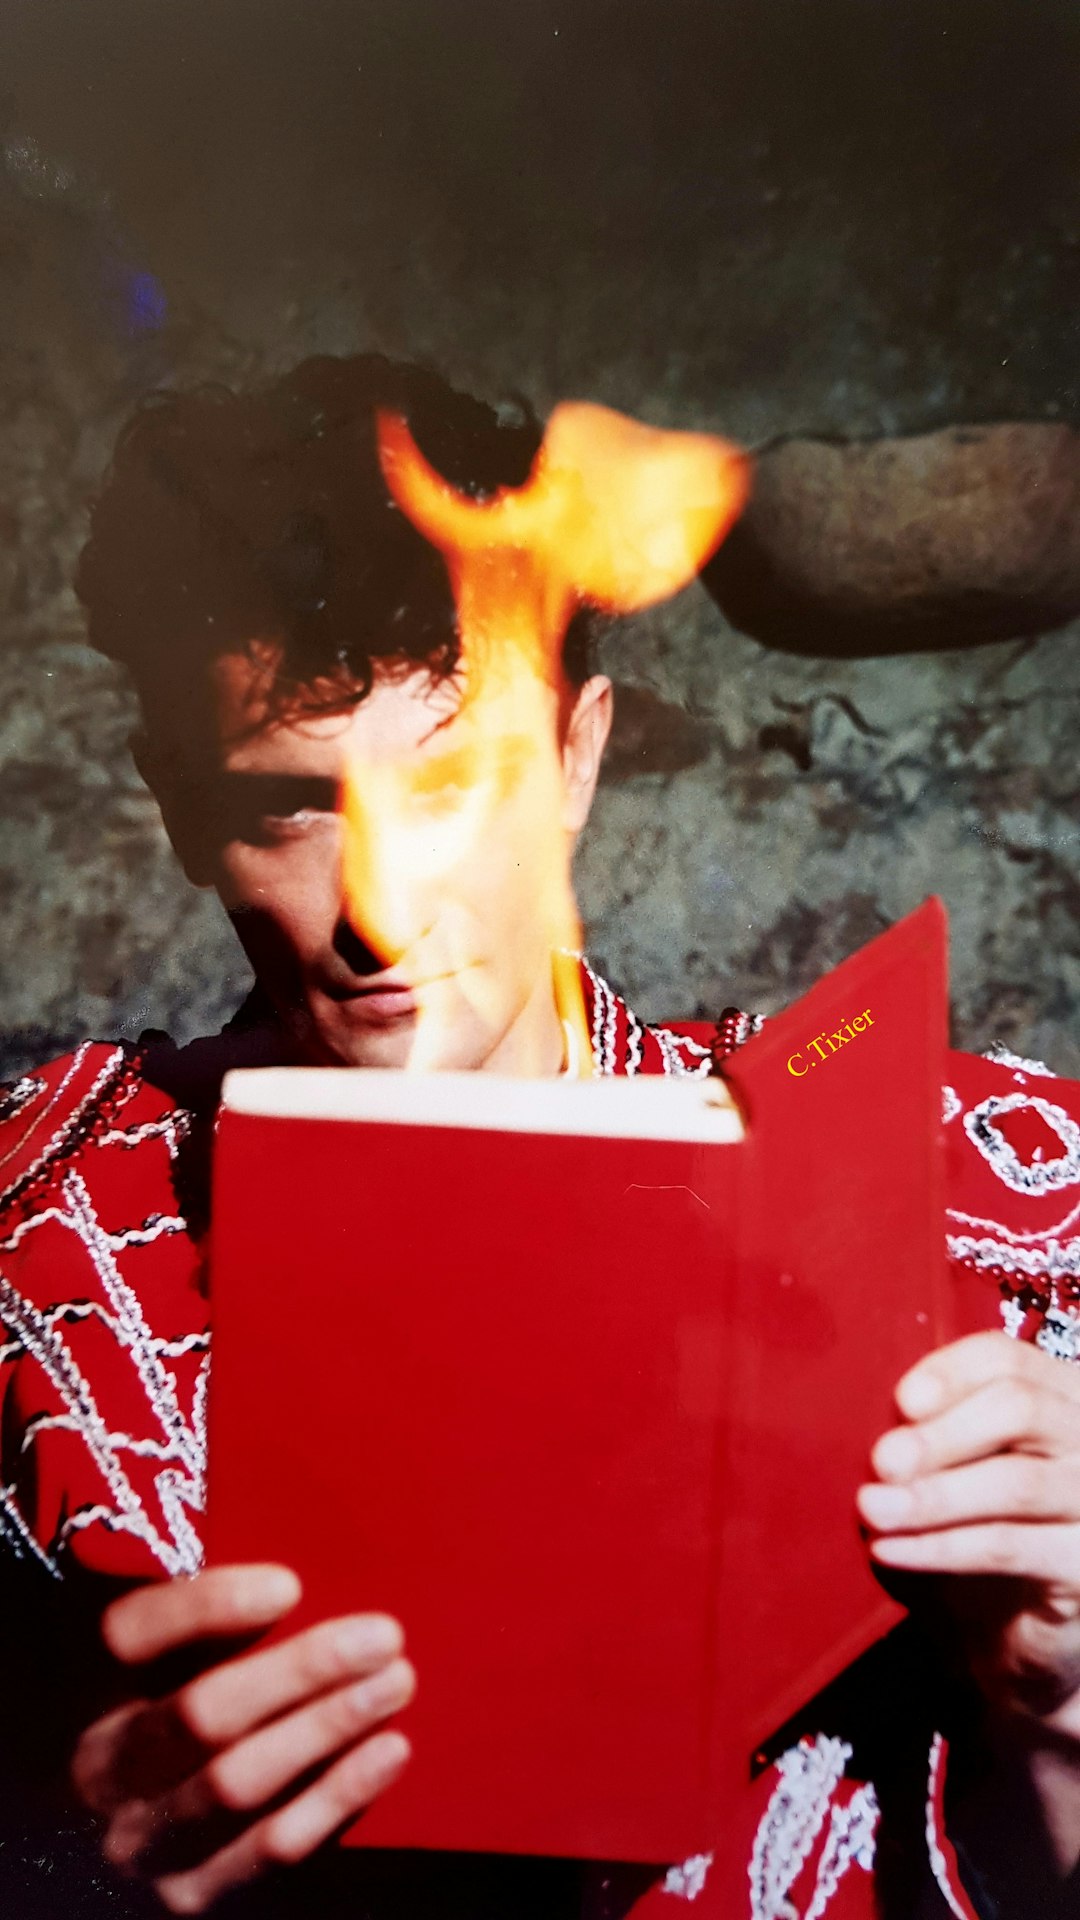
[939,1864]
[1058,1260]
[1002,1057]
[1059,1334]
[798,1808]
[1035,1176]
[688,1880]
[850,1841]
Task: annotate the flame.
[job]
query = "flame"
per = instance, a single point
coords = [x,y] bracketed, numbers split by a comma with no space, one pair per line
[614,514]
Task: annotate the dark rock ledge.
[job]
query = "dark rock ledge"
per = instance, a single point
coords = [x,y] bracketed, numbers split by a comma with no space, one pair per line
[945,539]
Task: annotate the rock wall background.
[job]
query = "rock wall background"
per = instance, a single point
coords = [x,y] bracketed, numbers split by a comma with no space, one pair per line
[826,224]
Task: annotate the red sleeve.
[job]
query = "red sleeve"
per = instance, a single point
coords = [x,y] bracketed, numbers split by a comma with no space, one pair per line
[102,1354]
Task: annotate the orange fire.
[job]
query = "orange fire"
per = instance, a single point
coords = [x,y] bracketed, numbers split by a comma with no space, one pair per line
[614,514]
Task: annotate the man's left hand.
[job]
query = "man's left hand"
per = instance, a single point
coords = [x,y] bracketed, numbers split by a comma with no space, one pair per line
[983,1479]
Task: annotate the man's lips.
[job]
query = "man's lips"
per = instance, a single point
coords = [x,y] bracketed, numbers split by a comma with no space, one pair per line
[386,997]
[375,1002]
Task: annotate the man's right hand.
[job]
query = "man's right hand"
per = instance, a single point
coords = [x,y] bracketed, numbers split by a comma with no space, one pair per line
[258,1759]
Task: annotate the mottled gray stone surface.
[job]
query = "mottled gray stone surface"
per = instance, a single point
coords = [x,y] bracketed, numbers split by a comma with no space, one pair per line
[764,218]
[742,878]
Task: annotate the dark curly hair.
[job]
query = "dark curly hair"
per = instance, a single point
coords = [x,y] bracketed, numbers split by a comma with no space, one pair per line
[228,518]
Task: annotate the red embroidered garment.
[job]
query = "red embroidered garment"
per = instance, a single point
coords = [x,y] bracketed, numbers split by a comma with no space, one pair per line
[103,1373]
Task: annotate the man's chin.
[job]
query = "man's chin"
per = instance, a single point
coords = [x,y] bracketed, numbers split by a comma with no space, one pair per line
[379,1048]
[326,1035]
[444,1035]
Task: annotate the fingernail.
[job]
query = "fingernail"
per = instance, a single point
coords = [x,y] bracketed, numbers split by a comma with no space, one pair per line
[896,1457]
[280,1588]
[393,1751]
[919,1395]
[380,1693]
[367,1637]
[891,1552]
[885,1506]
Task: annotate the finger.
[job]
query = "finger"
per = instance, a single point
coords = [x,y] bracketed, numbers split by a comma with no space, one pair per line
[144,1753]
[93,1769]
[1011,1486]
[135,1754]
[951,1373]
[294,1831]
[254,1771]
[219,1603]
[1027,1552]
[1007,1413]
[227,1701]
[341,1795]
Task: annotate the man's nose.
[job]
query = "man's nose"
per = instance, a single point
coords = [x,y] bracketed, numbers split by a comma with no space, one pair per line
[360,954]
[386,869]
[382,917]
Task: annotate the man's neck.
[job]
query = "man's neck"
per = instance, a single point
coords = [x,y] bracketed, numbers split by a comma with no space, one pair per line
[534,1045]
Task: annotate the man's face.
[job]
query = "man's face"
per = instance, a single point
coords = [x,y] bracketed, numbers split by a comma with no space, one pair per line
[456,942]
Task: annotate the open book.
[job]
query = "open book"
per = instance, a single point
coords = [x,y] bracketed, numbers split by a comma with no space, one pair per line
[578,1380]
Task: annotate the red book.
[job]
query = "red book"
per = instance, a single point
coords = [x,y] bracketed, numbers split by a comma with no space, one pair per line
[580,1385]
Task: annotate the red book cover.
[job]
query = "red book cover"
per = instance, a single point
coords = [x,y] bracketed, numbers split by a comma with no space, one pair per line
[578,1380]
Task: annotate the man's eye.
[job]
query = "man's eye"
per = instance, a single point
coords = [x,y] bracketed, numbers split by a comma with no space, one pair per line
[287,826]
[264,808]
[296,817]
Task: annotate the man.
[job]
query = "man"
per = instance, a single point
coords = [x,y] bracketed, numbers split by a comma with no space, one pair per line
[289,632]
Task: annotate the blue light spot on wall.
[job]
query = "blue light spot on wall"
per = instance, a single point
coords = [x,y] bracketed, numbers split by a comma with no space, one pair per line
[147,307]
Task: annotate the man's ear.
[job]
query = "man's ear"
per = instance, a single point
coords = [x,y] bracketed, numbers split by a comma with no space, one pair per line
[174,790]
[584,739]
